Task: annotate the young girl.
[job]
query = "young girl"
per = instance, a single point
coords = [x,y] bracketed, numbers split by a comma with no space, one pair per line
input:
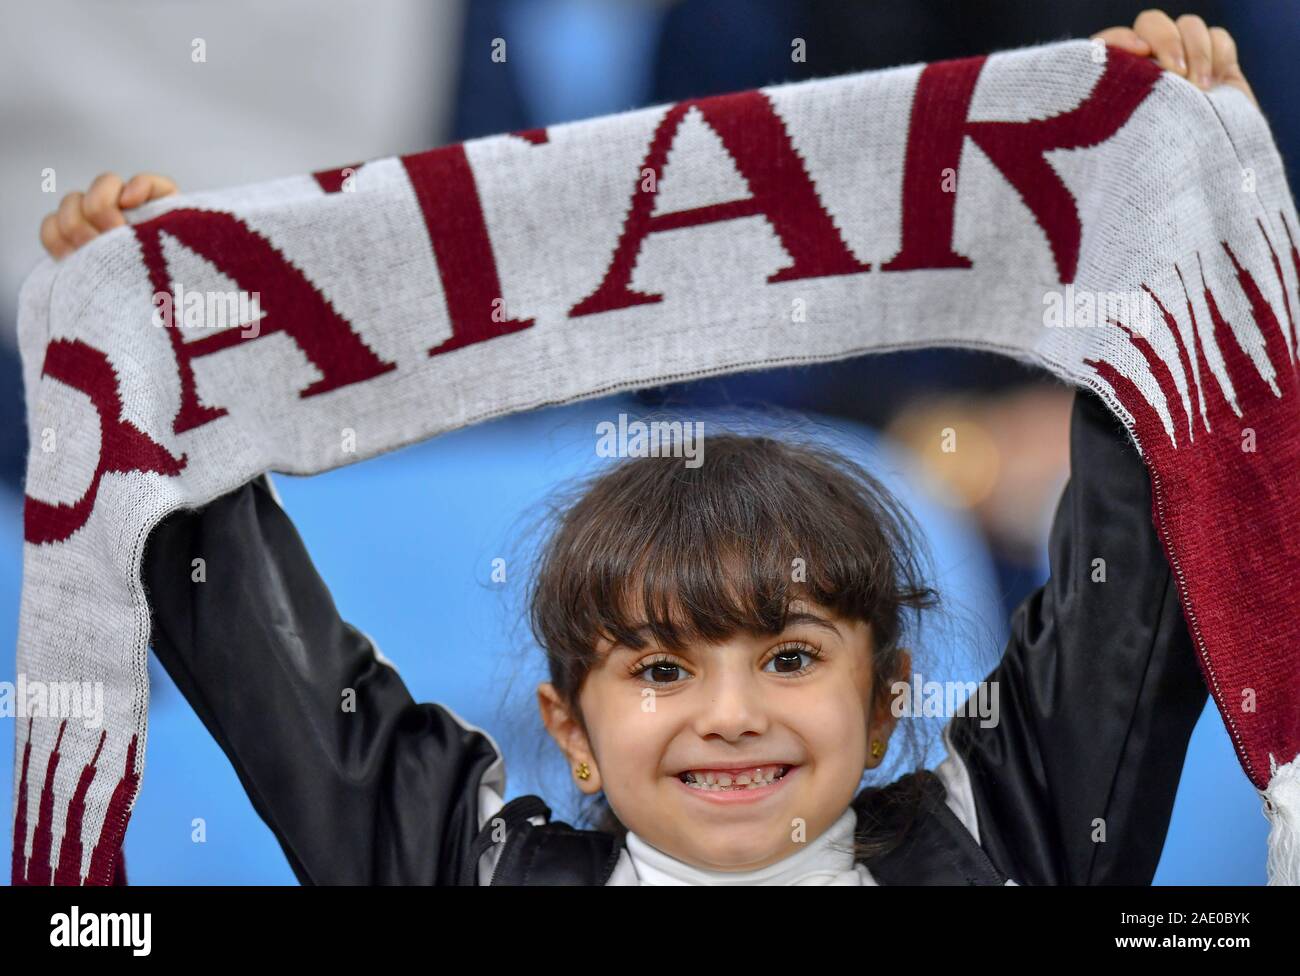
[721,709]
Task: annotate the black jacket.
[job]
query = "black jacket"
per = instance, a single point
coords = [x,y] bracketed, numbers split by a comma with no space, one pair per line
[1099,690]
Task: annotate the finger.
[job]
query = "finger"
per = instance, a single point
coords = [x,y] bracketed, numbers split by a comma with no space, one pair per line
[144,187]
[100,202]
[1223,52]
[1155,27]
[1226,67]
[135,192]
[1196,47]
[73,226]
[1124,38]
[51,239]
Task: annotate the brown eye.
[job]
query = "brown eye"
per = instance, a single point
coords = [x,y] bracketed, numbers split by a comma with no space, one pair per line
[660,672]
[788,661]
[663,673]
[791,660]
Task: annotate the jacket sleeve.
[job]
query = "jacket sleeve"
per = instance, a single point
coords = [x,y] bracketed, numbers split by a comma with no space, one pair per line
[359,783]
[1098,689]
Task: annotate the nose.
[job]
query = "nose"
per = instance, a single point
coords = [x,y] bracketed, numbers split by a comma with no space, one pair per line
[731,705]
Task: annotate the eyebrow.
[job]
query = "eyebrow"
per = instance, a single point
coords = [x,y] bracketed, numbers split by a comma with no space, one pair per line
[792,619]
[803,617]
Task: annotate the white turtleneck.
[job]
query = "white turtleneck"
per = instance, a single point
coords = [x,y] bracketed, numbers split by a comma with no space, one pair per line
[828,860]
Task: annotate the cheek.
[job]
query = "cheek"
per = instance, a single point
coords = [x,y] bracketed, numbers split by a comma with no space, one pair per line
[831,718]
[627,734]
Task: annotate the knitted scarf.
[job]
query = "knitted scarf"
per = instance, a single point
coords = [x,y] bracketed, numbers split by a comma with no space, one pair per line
[1068,205]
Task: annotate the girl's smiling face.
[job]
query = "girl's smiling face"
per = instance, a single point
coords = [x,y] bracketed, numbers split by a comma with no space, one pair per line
[746,613]
[800,708]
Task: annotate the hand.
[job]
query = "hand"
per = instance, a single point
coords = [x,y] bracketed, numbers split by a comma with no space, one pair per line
[1205,56]
[82,217]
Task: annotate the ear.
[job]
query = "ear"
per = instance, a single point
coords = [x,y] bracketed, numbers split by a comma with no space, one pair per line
[883,719]
[569,735]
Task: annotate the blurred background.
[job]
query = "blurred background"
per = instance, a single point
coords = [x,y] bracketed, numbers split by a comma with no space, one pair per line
[294,87]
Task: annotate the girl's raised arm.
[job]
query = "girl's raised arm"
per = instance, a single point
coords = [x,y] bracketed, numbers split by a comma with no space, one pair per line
[359,783]
[1098,689]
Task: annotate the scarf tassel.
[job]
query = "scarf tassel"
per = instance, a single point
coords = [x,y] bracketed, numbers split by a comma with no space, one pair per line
[1282,808]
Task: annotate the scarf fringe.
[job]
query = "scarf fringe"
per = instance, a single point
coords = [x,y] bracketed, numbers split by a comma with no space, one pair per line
[1282,808]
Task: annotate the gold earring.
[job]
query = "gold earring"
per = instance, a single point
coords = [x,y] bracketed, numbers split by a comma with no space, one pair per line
[583,771]
[877,749]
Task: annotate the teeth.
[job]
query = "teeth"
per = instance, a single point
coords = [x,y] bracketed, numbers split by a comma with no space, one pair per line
[719,781]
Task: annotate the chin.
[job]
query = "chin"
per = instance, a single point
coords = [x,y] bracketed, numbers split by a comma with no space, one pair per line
[731,848]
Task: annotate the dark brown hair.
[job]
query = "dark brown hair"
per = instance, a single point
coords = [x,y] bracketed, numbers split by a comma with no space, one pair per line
[710,551]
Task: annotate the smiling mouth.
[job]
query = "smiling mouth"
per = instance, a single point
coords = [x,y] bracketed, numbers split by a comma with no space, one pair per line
[733,780]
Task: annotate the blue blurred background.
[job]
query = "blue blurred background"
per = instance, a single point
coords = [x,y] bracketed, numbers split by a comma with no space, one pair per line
[298,86]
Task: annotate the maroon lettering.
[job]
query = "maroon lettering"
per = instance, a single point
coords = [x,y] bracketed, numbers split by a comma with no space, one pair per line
[291,304]
[453,216]
[781,190]
[122,447]
[332,180]
[939,125]
[934,140]
[538,137]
